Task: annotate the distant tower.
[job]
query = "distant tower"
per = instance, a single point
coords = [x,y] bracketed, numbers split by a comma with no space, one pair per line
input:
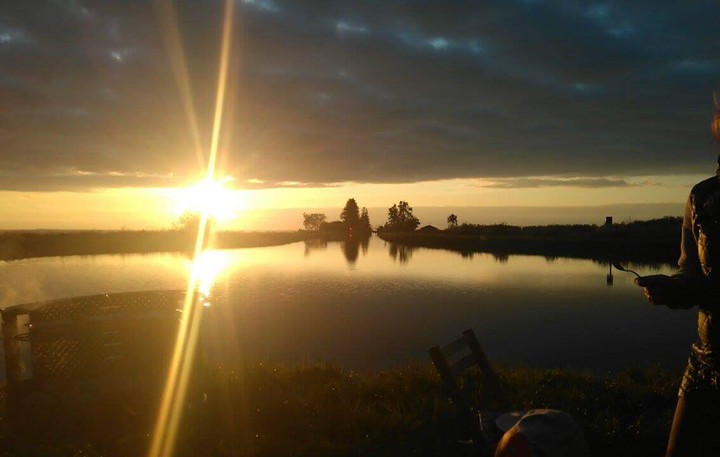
[608,221]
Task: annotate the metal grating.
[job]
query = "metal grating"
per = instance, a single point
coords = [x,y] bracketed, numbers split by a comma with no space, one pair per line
[103,354]
[105,305]
[99,336]
[88,369]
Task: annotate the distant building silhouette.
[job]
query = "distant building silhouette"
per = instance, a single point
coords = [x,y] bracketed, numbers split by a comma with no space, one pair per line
[429,228]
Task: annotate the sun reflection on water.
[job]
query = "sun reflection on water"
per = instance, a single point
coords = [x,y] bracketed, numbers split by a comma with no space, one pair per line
[207,269]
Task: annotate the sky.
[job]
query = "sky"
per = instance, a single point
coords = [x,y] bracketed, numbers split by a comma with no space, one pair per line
[458,105]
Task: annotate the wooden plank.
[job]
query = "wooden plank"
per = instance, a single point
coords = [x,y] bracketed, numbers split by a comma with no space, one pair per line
[455,347]
[491,379]
[448,380]
[463,364]
[462,405]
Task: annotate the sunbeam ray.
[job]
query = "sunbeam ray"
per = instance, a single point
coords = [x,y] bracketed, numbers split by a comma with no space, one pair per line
[173,42]
[166,429]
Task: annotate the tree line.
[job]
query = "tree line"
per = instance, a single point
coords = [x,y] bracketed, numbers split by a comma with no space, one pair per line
[354,220]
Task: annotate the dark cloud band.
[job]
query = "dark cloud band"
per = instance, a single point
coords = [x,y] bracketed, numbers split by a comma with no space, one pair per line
[377,92]
[589,183]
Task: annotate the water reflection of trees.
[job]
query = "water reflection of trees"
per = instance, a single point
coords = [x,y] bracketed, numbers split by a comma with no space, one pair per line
[400,252]
[351,250]
[638,265]
[350,245]
[317,244]
[500,257]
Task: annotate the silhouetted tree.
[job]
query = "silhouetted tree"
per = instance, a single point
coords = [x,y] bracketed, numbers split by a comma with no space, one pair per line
[401,219]
[364,224]
[313,221]
[452,221]
[187,221]
[350,215]
[333,227]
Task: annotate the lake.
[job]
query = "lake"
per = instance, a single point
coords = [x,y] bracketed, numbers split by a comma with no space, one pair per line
[375,305]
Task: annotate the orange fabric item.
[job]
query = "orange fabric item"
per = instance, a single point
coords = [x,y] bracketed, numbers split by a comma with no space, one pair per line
[513,444]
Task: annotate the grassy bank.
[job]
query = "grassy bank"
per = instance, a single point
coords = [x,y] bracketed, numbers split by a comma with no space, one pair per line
[19,245]
[323,410]
[654,241]
[650,251]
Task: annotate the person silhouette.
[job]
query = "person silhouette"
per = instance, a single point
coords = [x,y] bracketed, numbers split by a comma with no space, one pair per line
[697,283]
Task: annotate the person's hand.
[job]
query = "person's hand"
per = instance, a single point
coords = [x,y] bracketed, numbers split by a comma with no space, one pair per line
[661,289]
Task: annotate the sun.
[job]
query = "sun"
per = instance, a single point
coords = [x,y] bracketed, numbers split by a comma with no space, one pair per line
[212,198]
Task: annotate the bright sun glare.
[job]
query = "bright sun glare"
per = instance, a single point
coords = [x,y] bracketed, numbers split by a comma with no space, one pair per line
[212,198]
[207,269]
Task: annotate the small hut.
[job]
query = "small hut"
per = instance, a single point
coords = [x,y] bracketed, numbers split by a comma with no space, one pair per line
[429,229]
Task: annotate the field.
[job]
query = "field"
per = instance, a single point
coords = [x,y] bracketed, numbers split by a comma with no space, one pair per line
[323,410]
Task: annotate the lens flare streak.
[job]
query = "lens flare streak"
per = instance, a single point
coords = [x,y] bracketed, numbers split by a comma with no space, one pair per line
[165,434]
[171,33]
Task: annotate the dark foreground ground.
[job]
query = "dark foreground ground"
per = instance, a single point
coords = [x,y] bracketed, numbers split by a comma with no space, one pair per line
[323,410]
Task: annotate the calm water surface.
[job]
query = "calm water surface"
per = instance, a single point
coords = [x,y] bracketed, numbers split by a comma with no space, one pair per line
[376,306]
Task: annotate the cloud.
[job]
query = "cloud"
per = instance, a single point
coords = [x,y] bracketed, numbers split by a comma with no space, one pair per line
[254,184]
[534,182]
[86,181]
[377,92]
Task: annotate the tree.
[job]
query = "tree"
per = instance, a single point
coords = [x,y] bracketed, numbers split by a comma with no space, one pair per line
[401,219]
[333,227]
[313,221]
[392,217]
[188,221]
[350,215]
[452,220]
[364,224]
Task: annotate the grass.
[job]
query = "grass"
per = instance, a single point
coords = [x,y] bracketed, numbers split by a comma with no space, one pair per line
[324,410]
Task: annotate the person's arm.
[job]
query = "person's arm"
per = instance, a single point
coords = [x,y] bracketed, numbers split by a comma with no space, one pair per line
[687,287]
[689,262]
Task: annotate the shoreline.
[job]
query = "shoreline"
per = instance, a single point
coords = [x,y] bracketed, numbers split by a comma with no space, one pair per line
[24,245]
[661,250]
[605,246]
